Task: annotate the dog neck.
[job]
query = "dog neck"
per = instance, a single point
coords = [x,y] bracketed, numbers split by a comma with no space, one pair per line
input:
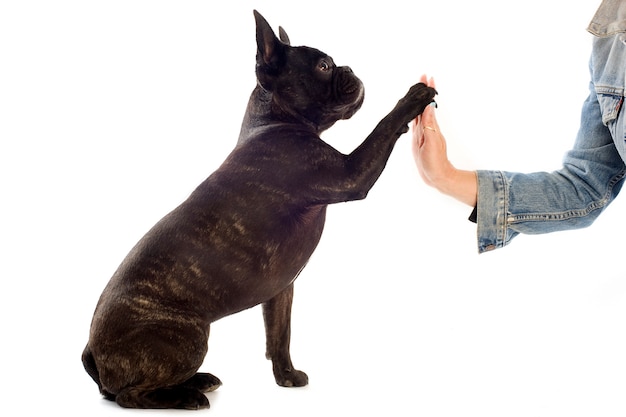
[262,112]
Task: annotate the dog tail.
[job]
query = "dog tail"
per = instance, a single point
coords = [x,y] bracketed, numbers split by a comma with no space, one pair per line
[90,366]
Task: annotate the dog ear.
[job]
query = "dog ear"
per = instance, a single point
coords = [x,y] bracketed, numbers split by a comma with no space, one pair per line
[269,49]
[283,36]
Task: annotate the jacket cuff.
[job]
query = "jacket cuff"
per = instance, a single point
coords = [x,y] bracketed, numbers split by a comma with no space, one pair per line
[491,211]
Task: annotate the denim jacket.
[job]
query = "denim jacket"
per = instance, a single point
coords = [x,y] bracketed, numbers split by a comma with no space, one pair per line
[593,171]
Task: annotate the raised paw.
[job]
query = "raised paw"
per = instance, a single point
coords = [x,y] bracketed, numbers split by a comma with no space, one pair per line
[415,101]
[422,93]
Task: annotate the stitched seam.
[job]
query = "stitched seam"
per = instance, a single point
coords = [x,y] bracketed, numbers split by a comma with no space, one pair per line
[569,214]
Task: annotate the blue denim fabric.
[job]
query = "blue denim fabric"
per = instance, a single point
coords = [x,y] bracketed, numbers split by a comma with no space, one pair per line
[593,171]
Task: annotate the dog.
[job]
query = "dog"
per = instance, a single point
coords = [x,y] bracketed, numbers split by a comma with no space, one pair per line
[243,236]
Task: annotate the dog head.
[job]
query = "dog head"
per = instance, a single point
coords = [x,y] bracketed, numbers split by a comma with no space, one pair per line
[304,82]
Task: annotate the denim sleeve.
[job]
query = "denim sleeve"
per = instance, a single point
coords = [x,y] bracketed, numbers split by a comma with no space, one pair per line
[512,203]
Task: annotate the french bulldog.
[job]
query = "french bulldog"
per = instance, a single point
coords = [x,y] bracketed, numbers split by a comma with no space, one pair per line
[243,236]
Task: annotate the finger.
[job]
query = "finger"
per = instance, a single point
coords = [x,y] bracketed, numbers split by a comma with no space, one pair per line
[429,121]
[431,83]
[424,79]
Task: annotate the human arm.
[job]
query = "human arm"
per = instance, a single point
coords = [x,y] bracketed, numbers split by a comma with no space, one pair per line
[511,203]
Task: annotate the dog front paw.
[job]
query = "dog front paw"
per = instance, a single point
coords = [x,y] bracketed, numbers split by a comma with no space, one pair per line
[415,101]
[291,378]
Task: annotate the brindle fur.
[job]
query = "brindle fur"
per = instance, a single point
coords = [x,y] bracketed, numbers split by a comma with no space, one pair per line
[243,236]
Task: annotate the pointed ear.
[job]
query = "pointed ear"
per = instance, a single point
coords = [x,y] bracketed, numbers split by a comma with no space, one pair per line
[283,36]
[269,48]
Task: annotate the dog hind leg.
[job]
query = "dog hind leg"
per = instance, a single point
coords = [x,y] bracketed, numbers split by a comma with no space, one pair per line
[203,382]
[90,366]
[181,397]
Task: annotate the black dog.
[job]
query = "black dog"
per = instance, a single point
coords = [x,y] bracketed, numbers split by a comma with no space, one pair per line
[243,236]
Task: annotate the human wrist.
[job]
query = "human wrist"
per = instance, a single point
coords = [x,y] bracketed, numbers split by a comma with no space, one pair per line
[459,184]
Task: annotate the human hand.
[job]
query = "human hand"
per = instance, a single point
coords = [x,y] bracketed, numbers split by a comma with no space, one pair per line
[431,157]
[429,145]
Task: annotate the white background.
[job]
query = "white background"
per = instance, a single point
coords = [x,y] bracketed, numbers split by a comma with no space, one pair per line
[112,112]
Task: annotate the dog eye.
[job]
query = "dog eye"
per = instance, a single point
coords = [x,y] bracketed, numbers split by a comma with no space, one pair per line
[324,66]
